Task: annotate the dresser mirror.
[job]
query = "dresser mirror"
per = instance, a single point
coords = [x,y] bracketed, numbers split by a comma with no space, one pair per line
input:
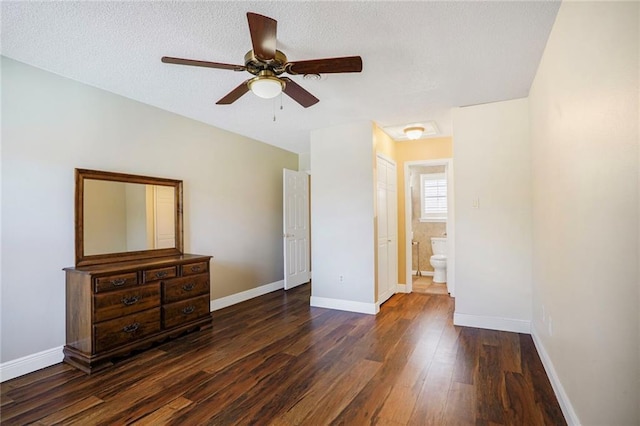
[123,217]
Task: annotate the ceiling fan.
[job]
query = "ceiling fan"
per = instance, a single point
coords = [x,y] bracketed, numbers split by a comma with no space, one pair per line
[267,63]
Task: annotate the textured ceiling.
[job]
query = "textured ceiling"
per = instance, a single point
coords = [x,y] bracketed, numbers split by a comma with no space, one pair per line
[420,58]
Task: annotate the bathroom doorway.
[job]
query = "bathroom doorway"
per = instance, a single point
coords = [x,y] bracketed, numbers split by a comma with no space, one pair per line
[426,218]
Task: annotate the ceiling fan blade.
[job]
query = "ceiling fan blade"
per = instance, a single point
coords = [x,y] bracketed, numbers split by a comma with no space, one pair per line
[263,35]
[298,94]
[235,94]
[180,61]
[325,66]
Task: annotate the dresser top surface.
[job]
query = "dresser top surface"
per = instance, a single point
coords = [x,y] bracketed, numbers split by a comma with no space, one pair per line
[156,262]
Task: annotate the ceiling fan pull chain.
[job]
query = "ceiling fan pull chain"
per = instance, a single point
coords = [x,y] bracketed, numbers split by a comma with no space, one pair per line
[281,102]
[274,110]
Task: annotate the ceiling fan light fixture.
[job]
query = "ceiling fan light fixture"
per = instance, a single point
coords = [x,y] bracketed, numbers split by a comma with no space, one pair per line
[413,132]
[266,87]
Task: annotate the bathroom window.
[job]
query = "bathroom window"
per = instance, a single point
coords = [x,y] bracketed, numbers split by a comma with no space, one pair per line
[433,200]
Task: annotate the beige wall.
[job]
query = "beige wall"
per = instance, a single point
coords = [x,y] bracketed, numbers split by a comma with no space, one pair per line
[137,217]
[105,228]
[584,126]
[50,125]
[423,231]
[383,144]
[421,149]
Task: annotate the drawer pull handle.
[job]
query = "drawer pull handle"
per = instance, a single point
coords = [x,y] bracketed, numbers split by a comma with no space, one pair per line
[188,310]
[119,282]
[195,269]
[130,300]
[131,327]
[161,274]
[188,287]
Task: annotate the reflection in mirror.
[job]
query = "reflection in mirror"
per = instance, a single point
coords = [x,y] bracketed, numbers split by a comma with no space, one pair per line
[124,217]
[121,217]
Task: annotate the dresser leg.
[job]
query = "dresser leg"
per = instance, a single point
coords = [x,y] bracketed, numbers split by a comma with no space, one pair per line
[83,363]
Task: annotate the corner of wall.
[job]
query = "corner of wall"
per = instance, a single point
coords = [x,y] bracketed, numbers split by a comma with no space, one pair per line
[492,323]
[304,162]
[563,399]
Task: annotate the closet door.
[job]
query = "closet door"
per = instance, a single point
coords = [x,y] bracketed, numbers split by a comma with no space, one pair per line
[387,211]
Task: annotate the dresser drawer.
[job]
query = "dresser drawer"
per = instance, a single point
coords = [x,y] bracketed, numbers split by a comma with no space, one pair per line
[195,268]
[115,304]
[160,273]
[114,282]
[184,288]
[182,312]
[120,331]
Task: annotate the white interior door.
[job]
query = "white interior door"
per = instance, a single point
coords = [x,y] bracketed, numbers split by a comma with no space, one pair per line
[387,206]
[296,228]
[165,231]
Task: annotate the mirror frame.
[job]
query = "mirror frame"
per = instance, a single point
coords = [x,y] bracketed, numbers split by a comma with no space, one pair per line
[84,260]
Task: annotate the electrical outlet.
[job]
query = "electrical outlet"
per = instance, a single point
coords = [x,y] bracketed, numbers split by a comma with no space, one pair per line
[341,278]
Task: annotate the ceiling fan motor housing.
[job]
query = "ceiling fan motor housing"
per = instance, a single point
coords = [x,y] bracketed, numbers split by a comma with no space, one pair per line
[255,65]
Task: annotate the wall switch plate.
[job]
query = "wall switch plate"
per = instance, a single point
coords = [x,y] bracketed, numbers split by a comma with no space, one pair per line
[475,203]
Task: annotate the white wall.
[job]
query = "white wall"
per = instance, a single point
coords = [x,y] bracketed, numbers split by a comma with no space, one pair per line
[491,151]
[50,125]
[584,125]
[342,213]
[304,162]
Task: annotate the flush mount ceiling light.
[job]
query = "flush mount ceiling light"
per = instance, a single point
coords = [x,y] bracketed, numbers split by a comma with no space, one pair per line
[413,132]
[266,85]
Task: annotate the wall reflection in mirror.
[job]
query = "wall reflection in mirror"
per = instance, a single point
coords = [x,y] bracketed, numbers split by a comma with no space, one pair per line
[123,217]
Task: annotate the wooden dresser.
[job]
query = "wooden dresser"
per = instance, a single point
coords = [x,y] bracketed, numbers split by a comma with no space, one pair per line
[116,308]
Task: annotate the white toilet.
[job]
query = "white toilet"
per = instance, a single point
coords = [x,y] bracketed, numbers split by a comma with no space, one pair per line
[439,259]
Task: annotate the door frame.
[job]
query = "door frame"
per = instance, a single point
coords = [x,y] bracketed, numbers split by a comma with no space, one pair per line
[450,227]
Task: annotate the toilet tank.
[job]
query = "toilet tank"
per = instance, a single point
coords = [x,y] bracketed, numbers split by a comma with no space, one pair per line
[439,245]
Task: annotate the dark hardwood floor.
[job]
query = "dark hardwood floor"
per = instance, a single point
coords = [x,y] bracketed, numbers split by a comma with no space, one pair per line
[275,360]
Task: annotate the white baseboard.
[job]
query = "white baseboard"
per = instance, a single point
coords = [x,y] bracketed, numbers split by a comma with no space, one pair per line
[344,305]
[30,363]
[424,273]
[401,288]
[565,404]
[492,323]
[226,301]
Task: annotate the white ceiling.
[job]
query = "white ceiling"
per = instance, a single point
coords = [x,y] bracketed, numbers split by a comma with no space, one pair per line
[419,58]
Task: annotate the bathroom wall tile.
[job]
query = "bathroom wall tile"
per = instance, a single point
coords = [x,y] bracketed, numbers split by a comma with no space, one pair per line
[423,231]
